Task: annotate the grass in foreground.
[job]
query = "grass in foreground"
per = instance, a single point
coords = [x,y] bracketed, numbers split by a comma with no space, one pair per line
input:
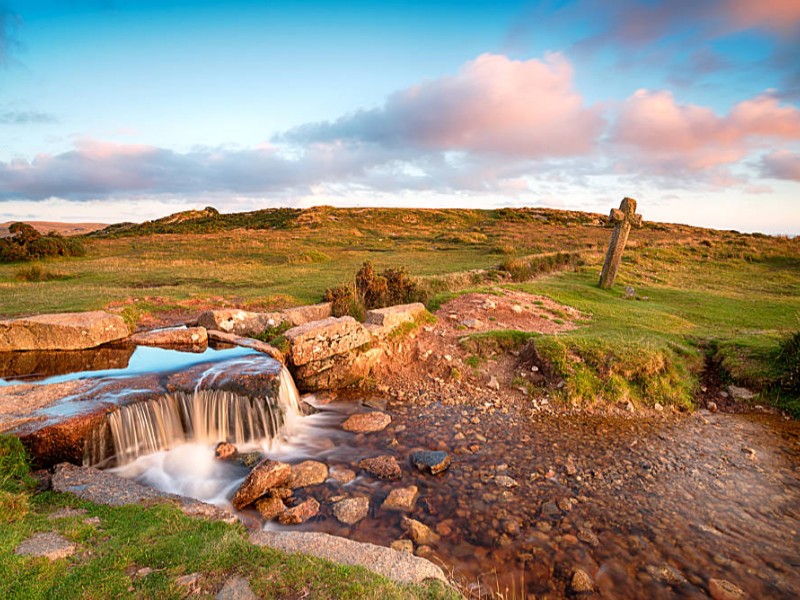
[111,555]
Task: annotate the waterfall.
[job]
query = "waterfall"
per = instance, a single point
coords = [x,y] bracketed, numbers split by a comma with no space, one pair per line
[203,416]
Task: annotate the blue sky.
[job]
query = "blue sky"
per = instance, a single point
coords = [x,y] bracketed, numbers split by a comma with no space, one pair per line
[129,110]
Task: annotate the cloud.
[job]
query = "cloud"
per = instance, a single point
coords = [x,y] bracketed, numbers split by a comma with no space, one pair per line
[24,117]
[665,137]
[492,105]
[781,164]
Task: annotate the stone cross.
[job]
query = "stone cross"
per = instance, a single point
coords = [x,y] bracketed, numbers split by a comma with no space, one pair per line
[623,218]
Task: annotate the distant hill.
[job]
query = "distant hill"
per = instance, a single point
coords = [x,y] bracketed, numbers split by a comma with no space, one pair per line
[45,227]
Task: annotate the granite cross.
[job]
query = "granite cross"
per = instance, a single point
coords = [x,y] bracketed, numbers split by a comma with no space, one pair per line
[623,218]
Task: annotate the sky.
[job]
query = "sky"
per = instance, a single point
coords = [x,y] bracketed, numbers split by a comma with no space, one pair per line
[122,110]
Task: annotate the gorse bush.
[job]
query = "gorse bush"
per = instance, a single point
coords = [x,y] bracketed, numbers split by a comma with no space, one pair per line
[373,290]
[522,269]
[26,243]
[788,364]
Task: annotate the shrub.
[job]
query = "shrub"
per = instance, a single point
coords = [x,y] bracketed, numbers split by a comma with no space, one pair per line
[14,467]
[788,364]
[518,268]
[26,243]
[37,273]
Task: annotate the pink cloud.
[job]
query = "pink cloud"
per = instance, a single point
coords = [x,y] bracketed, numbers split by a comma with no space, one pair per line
[671,137]
[778,15]
[781,164]
[493,104]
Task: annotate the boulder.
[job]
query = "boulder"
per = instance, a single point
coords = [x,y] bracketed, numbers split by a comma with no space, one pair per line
[323,339]
[431,461]
[182,337]
[401,499]
[239,322]
[300,513]
[309,472]
[351,510]
[64,331]
[382,321]
[367,422]
[265,475]
[300,315]
[337,371]
[382,467]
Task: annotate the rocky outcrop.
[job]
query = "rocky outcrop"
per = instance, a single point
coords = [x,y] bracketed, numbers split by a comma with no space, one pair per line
[397,566]
[102,487]
[336,372]
[265,475]
[382,321]
[183,337]
[64,331]
[306,314]
[240,322]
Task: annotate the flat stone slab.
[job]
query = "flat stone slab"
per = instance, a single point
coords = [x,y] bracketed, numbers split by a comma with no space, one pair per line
[46,544]
[175,336]
[64,331]
[246,342]
[367,422]
[397,566]
[322,339]
[300,315]
[382,321]
[240,322]
[102,487]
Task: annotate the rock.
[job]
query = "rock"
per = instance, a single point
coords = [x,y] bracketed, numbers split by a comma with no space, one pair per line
[505,481]
[236,588]
[581,582]
[309,472]
[401,499]
[246,342]
[281,492]
[300,513]
[712,407]
[382,321]
[430,461]
[102,487]
[403,546]
[493,383]
[173,336]
[239,322]
[265,475]
[270,507]
[740,393]
[587,536]
[300,315]
[421,534]
[721,589]
[382,467]
[550,509]
[471,323]
[66,513]
[65,331]
[190,583]
[46,544]
[323,339]
[517,309]
[225,451]
[565,504]
[367,422]
[341,474]
[665,574]
[250,459]
[338,371]
[397,566]
[351,510]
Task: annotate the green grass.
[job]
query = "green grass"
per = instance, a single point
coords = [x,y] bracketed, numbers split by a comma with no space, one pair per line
[163,539]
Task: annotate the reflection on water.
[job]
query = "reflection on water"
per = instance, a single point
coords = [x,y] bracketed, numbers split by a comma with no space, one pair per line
[58,367]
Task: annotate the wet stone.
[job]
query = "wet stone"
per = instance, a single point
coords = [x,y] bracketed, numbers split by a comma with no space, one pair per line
[367,422]
[281,492]
[403,546]
[401,499]
[665,574]
[309,472]
[721,589]
[430,461]
[382,467]
[270,507]
[549,509]
[421,534]
[581,582]
[351,510]
[224,451]
[300,513]
[341,474]
[265,475]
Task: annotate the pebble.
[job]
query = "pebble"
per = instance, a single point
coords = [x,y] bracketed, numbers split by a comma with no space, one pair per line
[430,461]
[721,589]
[403,546]
[505,481]
[581,582]
[401,499]
[421,534]
[382,467]
[367,422]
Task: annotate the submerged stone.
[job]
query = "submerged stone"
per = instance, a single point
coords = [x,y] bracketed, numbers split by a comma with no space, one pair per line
[300,513]
[309,472]
[351,510]
[270,507]
[431,461]
[382,467]
[401,499]
[367,422]
[421,534]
